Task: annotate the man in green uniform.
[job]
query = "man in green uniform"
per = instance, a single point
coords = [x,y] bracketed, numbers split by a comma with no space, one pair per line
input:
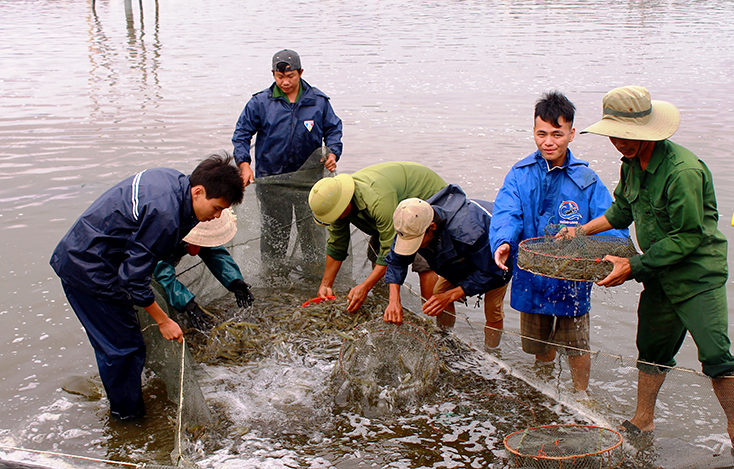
[668,192]
[367,200]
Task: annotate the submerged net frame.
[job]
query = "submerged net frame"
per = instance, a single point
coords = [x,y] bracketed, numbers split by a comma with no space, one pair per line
[565,446]
[384,360]
[578,258]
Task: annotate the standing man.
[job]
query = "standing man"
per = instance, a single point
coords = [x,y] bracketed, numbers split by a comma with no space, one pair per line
[291,120]
[204,240]
[106,259]
[451,232]
[367,200]
[549,188]
[669,193]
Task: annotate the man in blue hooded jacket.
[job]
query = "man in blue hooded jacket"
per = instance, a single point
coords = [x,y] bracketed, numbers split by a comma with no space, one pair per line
[451,232]
[106,259]
[550,187]
[290,120]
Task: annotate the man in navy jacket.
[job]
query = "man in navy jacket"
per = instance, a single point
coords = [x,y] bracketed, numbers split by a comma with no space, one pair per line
[452,233]
[290,120]
[106,259]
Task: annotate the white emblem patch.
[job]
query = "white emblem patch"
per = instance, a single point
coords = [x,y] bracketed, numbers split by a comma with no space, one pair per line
[308,124]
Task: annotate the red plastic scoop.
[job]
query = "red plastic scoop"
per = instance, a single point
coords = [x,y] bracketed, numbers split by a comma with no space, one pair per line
[317,300]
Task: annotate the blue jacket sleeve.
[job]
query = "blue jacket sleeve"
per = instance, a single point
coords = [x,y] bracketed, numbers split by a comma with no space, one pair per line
[397,267]
[221,265]
[247,125]
[507,221]
[332,130]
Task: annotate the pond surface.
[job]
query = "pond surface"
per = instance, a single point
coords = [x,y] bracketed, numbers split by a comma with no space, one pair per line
[93,95]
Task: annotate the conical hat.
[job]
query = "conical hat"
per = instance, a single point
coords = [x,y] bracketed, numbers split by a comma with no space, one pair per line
[215,232]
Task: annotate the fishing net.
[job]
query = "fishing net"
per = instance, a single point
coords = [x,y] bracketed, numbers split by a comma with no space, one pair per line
[565,447]
[579,257]
[386,365]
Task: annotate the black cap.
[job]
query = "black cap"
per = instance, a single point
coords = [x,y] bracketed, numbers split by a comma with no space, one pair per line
[286,60]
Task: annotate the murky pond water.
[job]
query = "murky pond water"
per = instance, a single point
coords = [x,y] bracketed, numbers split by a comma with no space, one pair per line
[90,96]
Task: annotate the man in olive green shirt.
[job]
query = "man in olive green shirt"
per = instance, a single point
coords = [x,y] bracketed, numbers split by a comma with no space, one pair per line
[669,194]
[367,200]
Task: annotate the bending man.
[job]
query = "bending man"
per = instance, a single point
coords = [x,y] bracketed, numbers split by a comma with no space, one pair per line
[367,200]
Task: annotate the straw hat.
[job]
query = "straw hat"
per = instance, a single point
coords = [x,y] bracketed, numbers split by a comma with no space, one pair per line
[629,113]
[411,219]
[330,197]
[215,232]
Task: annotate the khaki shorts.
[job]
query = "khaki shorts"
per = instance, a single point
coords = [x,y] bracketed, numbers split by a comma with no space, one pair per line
[571,332]
[493,300]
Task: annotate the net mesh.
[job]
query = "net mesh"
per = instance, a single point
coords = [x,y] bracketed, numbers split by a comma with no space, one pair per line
[565,446]
[385,365]
[686,410]
[578,257]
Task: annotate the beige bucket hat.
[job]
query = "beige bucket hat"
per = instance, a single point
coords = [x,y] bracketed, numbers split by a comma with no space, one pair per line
[411,218]
[629,113]
[329,197]
[215,232]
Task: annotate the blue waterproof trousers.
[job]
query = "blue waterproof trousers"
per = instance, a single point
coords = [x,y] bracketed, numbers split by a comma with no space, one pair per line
[114,331]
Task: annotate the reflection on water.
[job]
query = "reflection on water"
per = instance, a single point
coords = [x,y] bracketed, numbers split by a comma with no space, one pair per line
[93,95]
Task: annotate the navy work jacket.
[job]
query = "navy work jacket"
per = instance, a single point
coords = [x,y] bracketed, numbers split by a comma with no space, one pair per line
[111,250]
[460,252]
[287,133]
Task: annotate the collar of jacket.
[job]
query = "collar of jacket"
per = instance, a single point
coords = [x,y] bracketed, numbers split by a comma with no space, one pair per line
[306,94]
[188,216]
[577,170]
[658,154]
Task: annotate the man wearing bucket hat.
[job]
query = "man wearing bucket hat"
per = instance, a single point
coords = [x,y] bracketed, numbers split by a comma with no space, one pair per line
[451,232]
[668,193]
[205,240]
[367,200]
[106,259]
[290,120]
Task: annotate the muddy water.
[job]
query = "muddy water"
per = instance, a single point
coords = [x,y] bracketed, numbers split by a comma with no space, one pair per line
[90,96]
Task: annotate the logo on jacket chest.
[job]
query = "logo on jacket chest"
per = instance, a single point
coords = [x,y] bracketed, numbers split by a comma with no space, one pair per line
[308,124]
[569,213]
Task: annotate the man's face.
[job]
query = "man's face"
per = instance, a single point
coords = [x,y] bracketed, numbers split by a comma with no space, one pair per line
[429,236]
[288,81]
[553,141]
[207,209]
[628,148]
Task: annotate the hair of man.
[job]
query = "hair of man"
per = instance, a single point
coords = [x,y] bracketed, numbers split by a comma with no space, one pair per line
[219,178]
[553,105]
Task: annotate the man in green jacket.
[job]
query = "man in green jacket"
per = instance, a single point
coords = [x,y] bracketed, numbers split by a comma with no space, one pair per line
[668,192]
[367,200]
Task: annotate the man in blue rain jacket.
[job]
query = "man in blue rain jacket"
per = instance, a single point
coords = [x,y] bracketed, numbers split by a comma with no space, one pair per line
[549,188]
[451,232]
[290,120]
[106,259]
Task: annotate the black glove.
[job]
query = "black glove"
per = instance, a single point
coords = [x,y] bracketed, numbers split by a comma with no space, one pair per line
[241,291]
[200,319]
